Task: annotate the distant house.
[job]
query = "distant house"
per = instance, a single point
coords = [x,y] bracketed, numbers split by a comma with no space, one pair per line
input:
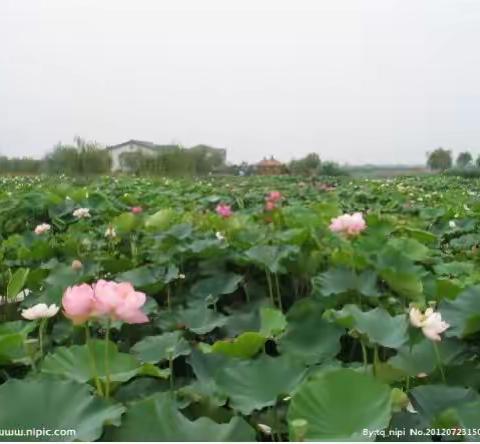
[270,167]
[152,149]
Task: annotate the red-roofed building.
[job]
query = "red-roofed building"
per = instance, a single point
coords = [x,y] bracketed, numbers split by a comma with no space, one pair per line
[270,167]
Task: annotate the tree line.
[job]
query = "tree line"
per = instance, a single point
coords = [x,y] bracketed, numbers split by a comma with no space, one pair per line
[80,158]
[175,161]
[84,157]
[442,159]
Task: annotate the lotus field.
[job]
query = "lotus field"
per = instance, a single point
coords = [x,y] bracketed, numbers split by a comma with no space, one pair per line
[240,309]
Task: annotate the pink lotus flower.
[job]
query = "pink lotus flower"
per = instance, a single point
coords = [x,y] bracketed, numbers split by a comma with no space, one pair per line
[79,303]
[274,196]
[269,205]
[119,301]
[137,210]
[42,228]
[327,187]
[224,210]
[348,224]
[430,322]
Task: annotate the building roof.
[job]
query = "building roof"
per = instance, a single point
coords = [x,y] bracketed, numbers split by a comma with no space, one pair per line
[132,141]
[142,143]
[153,146]
[272,162]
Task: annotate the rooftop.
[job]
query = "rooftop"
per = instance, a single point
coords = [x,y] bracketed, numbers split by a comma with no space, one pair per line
[269,162]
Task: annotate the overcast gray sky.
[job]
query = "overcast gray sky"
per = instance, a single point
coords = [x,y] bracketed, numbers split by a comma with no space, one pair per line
[356,81]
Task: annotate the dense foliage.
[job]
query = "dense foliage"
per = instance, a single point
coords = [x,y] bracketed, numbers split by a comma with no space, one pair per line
[263,323]
[440,159]
[19,165]
[82,158]
[176,161]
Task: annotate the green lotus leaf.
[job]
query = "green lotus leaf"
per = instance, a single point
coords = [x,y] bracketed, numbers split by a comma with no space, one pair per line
[432,400]
[312,341]
[217,285]
[143,277]
[272,322]
[125,222]
[200,319]
[158,419]
[411,248]
[468,418]
[56,405]
[270,257]
[420,357]
[341,280]
[408,285]
[12,341]
[256,384]
[75,363]
[338,405]
[16,283]
[159,348]
[455,268]
[161,220]
[463,313]
[206,367]
[246,345]
[377,325]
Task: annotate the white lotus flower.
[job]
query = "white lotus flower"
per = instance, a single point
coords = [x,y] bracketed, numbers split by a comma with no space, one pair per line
[40,311]
[110,232]
[219,236]
[452,224]
[267,430]
[81,213]
[410,408]
[181,276]
[430,322]
[42,228]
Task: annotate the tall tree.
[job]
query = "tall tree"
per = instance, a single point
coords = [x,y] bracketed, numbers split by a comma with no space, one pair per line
[308,166]
[440,159]
[464,159]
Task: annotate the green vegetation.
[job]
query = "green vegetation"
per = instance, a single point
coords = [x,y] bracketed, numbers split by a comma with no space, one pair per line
[262,325]
[177,161]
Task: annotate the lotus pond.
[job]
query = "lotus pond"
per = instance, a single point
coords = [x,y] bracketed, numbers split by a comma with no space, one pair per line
[216,310]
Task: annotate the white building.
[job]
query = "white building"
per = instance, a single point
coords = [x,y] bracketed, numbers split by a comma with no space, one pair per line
[132,146]
[149,148]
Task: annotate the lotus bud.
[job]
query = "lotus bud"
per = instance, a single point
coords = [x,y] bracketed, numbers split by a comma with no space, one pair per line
[399,399]
[299,429]
[76,265]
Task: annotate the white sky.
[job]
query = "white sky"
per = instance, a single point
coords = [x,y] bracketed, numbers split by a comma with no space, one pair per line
[356,81]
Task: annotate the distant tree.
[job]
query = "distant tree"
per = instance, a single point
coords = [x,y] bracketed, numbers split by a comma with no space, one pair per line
[332,169]
[83,158]
[464,159]
[477,161]
[308,166]
[440,159]
[206,159]
[17,165]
